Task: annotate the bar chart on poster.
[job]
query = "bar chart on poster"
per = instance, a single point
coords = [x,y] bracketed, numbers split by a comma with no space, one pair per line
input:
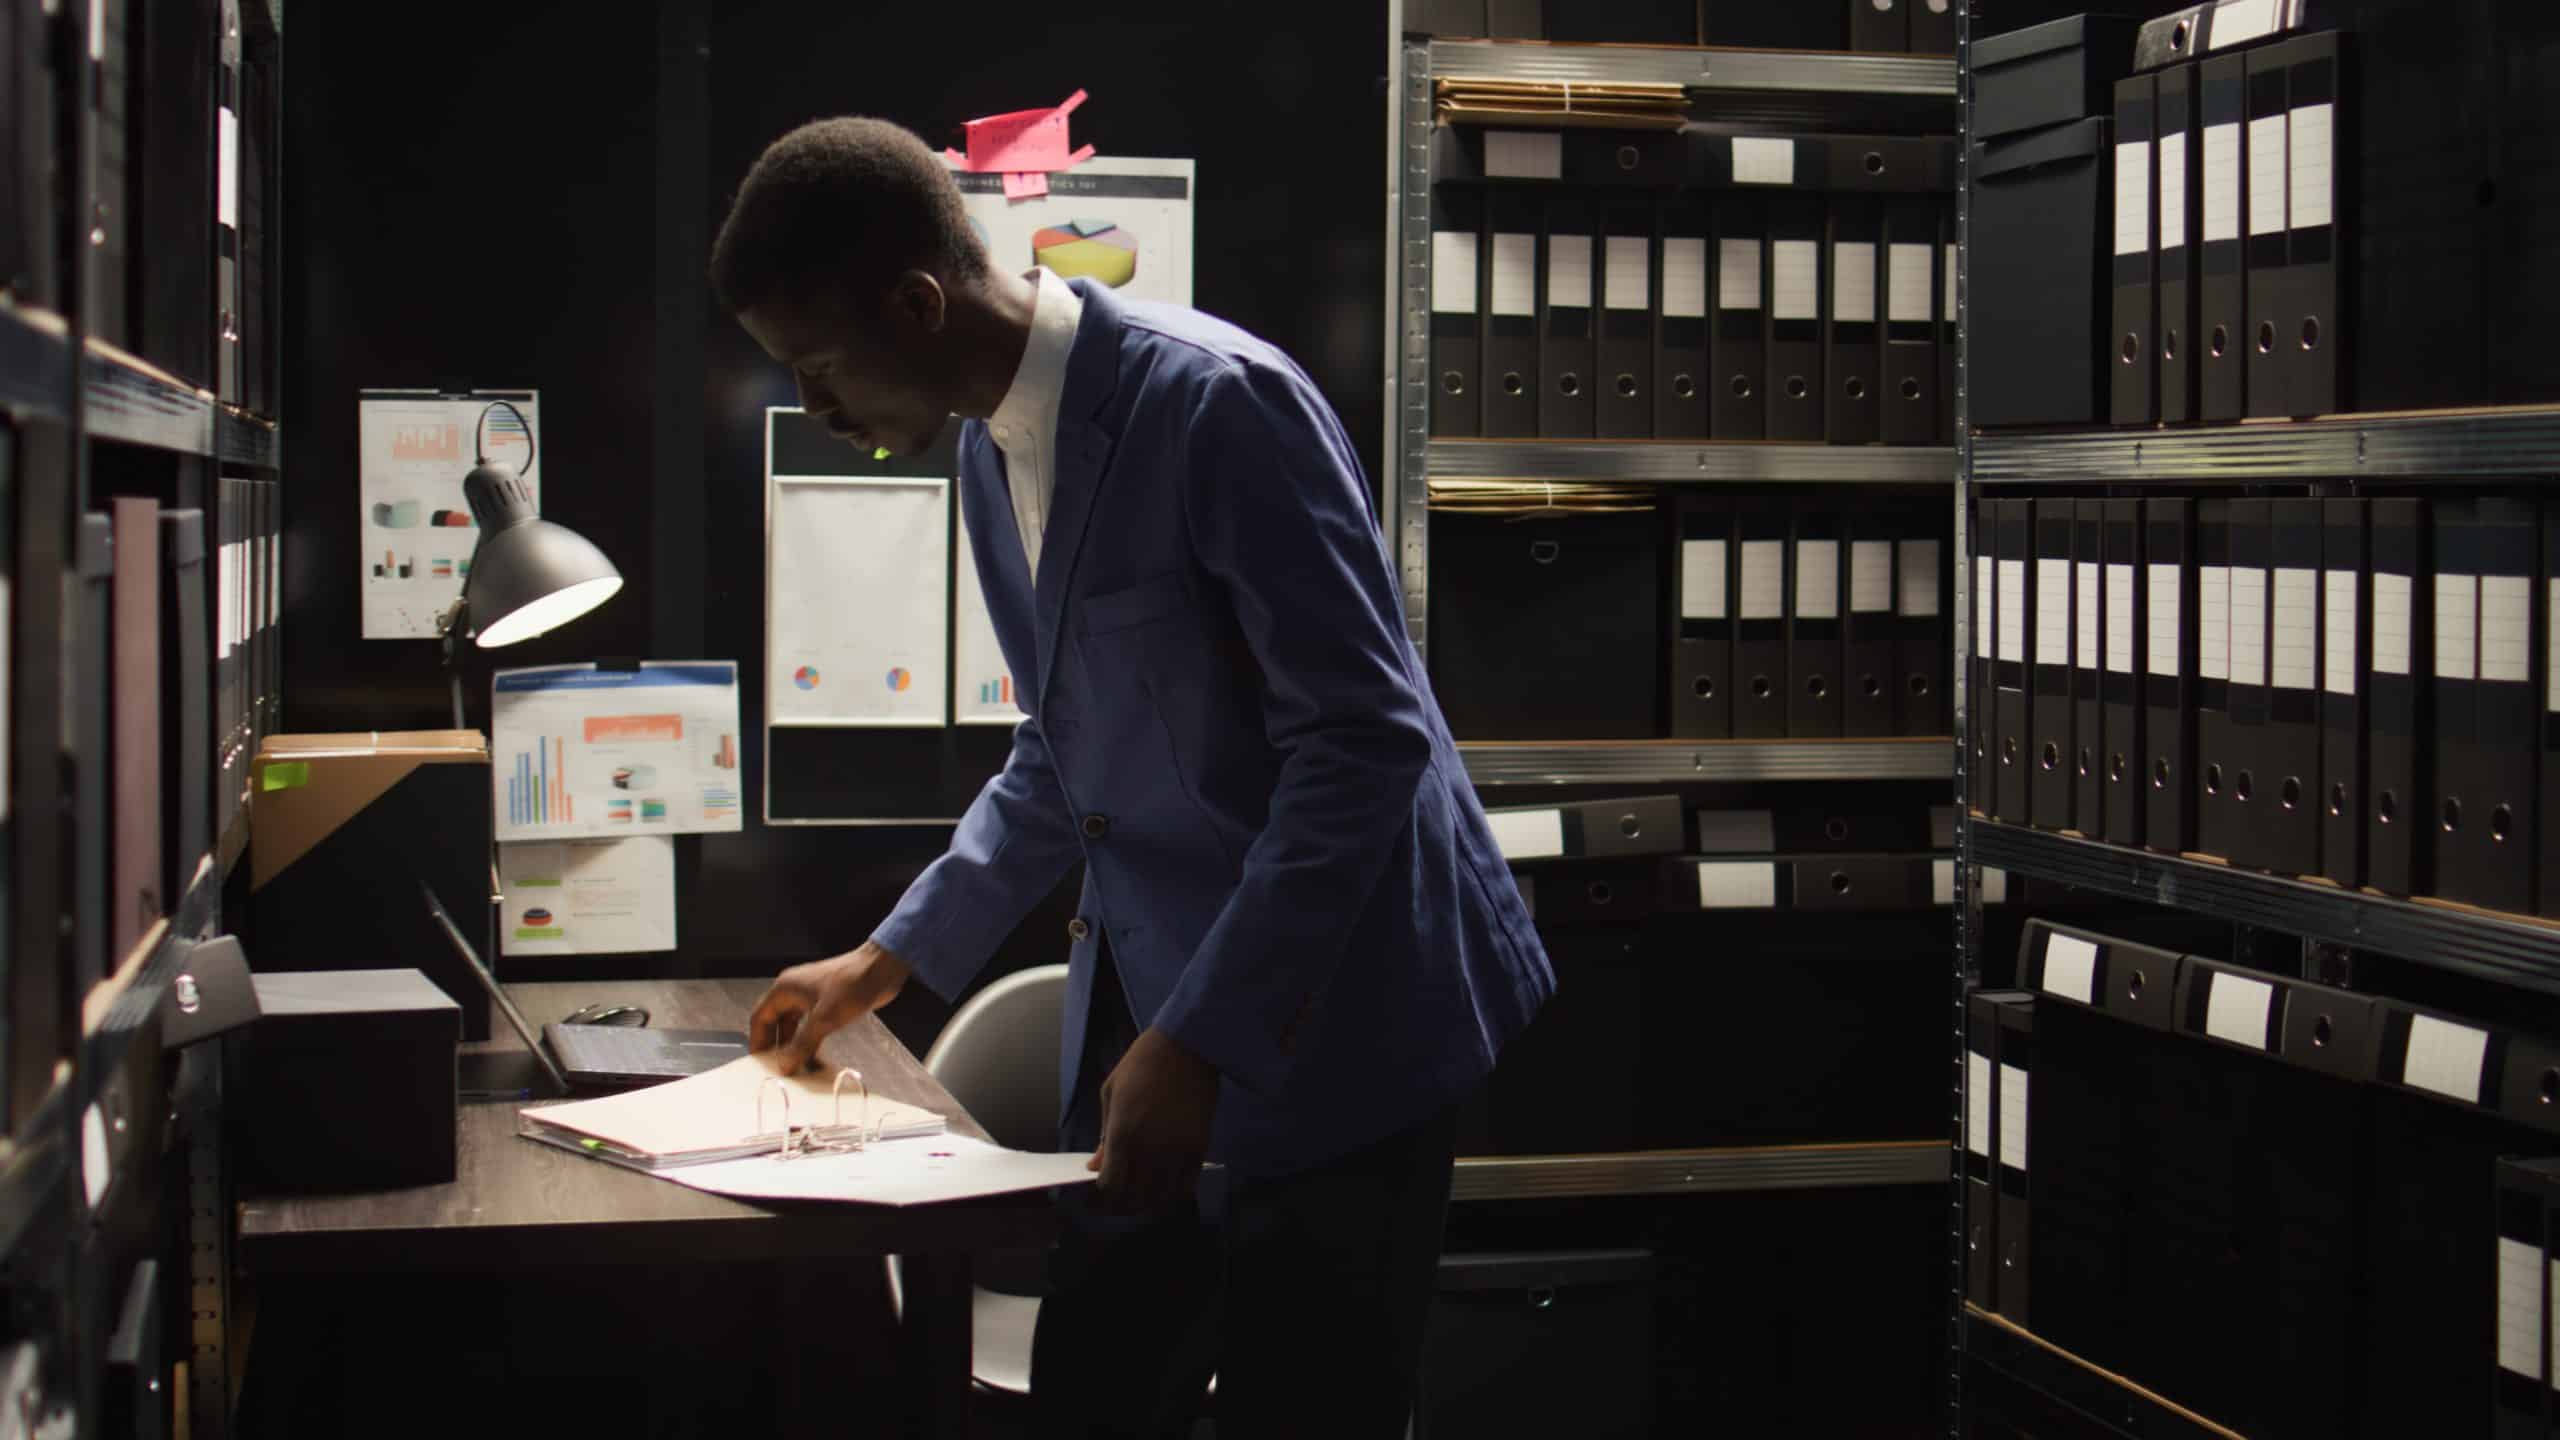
[597,751]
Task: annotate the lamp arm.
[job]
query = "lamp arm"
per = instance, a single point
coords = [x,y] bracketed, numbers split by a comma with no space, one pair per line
[454,622]
[481,451]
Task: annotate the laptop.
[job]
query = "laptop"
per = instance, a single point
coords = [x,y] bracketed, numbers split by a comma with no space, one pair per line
[596,1056]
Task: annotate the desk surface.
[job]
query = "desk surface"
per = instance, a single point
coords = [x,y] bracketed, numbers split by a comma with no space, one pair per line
[516,1202]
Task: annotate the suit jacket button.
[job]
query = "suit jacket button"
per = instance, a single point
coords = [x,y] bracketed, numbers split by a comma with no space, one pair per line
[1096,826]
[1078,929]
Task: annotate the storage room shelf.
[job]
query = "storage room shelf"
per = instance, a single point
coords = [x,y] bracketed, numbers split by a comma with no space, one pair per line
[1698,68]
[1666,762]
[1665,1172]
[2504,948]
[2432,445]
[126,399]
[1688,462]
[2106,1399]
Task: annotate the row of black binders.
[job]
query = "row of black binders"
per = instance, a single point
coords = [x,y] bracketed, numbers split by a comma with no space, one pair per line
[2266,1200]
[249,643]
[1746,616]
[1925,27]
[1600,284]
[2362,690]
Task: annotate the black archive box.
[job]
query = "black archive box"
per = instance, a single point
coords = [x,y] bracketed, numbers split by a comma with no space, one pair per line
[1547,626]
[2049,74]
[346,1082]
[1506,1327]
[2040,298]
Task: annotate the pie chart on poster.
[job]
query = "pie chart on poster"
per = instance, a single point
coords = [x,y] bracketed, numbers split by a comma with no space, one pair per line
[1096,249]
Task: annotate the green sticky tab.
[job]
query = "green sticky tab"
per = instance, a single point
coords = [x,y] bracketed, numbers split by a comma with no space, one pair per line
[285,775]
[880,454]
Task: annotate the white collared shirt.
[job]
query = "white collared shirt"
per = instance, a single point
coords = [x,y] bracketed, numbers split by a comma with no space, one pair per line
[1025,425]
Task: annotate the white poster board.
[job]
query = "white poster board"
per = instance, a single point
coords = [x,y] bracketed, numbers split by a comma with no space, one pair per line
[1122,220]
[415,532]
[577,751]
[858,573]
[982,688]
[588,897]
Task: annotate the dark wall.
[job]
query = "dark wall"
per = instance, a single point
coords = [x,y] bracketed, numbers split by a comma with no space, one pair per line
[525,198]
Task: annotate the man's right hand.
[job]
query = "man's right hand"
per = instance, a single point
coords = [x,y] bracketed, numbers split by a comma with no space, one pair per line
[807,1003]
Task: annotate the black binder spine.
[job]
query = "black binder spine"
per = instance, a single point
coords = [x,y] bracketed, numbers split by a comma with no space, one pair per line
[1510,362]
[2269,366]
[2520,1382]
[2134,369]
[1880,25]
[2050,749]
[2454,721]
[1565,360]
[2015,611]
[2088,664]
[2546,597]
[1738,396]
[1933,26]
[1982,708]
[1795,316]
[1981,1136]
[2289,761]
[2175,213]
[1853,355]
[2399,676]
[2312,328]
[2169,667]
[2220,321]
[2345,652]
[1702,620]
[2124,786]
[1923,696]
[2216,766]
[1760,623]
[1867,698]
[1625,402]
[2498,865]
[1813,623]
[1457,234]
[1910,400]
[1680,322]
[2015,1014]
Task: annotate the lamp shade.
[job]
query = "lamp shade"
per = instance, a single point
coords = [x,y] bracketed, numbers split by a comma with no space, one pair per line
[528,575]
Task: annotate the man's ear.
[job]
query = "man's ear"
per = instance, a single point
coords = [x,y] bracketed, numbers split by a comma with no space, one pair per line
[918,300]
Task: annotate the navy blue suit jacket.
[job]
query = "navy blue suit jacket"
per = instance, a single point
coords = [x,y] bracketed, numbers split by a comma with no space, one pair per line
[1229,725]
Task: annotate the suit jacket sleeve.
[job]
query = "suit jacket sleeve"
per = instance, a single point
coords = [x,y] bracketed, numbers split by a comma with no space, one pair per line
[1279,515]
[1009,850]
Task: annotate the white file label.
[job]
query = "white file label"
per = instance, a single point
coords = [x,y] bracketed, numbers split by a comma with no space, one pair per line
[2221,182]
[1527,834]
[1764,579]
[2162,643]
[1795,280]
[2338,633]
[2173,190]
[1569,271]
[2071,968]
[2520,1308]
[2133,197]
[2213,621]
[2084,640]
[1737,274]
[2120,619]
[1916,594]
[2293,653]
[1626,282]
[1977,1102]
[1907,284]
[1985,577]
[1870,577]
[1453,272]
[2457,626]
[1737,885]
[2013,612]
[2445,1058]
[1817,579]
[1853,282]
[2266,175]
[2308,201]
[1515,275]
[2053,611]
[1684,277]
[1524,154]
[2506,629]
[1758,161]
[2392,618]
[2236,1009]
[1702,579]
[2013,1117]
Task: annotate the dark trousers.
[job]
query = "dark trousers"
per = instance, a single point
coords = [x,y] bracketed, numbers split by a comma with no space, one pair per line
[1304,1294]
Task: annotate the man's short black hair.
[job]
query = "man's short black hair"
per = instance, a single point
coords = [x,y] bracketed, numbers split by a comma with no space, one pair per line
[836,199]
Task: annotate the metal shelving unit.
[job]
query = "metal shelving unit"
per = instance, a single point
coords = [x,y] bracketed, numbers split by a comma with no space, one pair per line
[1703,68]
[2416,445]
[2104,1398]
[122,398]
[1673,1172]
[1690,462]
[1673,762]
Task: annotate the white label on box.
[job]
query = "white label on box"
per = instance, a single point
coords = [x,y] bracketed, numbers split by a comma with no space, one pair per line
[1527,834]
[1684,277]
[1524,154]
[1737,885]
[2237,22]
[2221,182]
[2308,145]
[2392,619]
[1995,884]
[1737,274]
[2554,1331]
[1515,275]
[2084,640]
[2266,175]
[1569,271]
[97,1165]
[1627,283]
[1737,832]
[1985,578]
[1764,579]
[1853,282]
[2235,1009]
[2248,625]
[1795,280]
[1916,585]
[2506,629]
[2013,611]
[2162,643]
[1870,577]
[2071,968]
[2520,1308]
[2213,622]
[1977,1103]
[2445,1058]
[2173,190]
[1942,882]
[2551,660]
[2013,1117]
[1453,272]
[1817,579]
[1702,579]
[1907,283]
[2133,197]
[226,160]
[2457,621]
[2338,633]
[1947,311]
[2053,611]
[2120,619]
[2293,654]
[1763,162]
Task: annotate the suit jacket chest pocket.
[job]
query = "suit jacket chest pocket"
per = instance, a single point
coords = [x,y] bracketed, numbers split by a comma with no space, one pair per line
[1149,632]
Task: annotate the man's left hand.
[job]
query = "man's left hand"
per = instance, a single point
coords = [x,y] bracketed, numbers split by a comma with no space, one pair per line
[1156,1107]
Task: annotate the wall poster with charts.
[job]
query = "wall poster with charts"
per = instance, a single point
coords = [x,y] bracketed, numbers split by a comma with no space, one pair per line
[414,530]
[587,751]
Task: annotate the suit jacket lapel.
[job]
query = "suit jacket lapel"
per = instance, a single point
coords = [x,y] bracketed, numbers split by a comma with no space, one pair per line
[1084,453]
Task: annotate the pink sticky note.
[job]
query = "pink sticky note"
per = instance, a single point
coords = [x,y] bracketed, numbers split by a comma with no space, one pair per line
[1021,140]
[1025,184]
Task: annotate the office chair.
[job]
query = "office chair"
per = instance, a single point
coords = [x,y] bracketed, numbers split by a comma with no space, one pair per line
[998,1056]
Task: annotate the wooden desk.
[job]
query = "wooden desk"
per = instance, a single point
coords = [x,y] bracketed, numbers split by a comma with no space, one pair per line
[516,1203]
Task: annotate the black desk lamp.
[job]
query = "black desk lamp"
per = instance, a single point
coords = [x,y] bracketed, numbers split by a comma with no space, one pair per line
[527,575]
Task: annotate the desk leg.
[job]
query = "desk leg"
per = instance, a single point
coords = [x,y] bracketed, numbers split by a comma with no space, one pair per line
[936,1336]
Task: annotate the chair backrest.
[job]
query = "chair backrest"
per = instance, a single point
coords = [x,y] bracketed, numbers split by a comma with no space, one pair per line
[998,1056]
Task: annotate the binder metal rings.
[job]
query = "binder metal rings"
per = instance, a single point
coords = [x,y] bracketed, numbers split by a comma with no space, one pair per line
[836,1137]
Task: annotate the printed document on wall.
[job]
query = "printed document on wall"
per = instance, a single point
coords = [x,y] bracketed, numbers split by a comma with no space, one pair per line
[577,751]
[588,897]
[1124,222]
[982,690]
[414,531]
[859,575]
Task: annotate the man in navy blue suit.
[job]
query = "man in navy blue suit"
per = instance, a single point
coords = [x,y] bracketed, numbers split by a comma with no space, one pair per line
[1298,948]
